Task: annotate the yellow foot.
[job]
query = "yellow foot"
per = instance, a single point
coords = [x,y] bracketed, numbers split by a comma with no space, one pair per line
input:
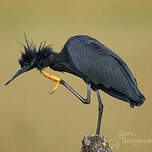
[103,144]
[52,77]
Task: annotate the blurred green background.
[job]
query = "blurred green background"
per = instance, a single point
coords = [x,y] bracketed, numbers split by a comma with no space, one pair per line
[31,120]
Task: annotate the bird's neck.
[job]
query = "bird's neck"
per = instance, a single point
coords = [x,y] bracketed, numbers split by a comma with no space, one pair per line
[58,60]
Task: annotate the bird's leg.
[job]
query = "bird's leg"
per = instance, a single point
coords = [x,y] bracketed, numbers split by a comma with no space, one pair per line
[85,101]
[100,108]
[52,77]
[59,81]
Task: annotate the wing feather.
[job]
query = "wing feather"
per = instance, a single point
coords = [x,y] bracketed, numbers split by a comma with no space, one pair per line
[101,65]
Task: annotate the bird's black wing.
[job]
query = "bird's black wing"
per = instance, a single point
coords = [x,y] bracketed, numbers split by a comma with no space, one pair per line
[101,65]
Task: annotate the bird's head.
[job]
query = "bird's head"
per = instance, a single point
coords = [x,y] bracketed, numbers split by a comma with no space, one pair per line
[33,57]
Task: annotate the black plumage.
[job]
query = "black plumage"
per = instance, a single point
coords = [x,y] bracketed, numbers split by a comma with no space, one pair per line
[90,60]
[101,67]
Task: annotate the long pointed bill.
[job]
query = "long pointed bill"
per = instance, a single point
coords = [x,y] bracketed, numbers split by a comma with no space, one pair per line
[20,71]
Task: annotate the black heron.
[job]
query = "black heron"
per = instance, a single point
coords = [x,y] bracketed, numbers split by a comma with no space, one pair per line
[90,60]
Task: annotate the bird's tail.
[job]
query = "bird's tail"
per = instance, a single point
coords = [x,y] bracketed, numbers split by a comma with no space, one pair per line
[137,100]
[134,99]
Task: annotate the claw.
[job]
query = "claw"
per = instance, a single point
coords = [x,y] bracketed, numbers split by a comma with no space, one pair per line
[52,77]
[54,89]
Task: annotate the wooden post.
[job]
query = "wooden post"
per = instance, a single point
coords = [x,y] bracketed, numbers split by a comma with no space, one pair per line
[95,143]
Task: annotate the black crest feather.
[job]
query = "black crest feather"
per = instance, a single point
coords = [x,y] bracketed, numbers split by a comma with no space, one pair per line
[32,53]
